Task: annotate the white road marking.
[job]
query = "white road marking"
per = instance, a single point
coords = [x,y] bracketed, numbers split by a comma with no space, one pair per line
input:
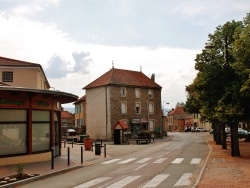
[92,182]
[110,161]
[143,160]
[184,180]
[156,180]
[195,161]
[123,182]
[177,160]
[160,160]
[141,166]
[127,161]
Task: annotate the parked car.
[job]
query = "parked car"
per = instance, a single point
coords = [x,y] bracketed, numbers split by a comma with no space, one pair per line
[242,133]
[199,129]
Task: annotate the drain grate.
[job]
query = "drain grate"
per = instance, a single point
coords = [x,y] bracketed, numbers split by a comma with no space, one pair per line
[218,160]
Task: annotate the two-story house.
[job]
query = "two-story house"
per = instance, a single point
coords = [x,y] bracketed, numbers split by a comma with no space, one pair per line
[80,112]
[178,120]
[30,113]
[125,95]
[22,74]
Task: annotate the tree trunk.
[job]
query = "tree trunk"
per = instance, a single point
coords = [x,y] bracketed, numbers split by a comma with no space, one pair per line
[218,133]
[235,151]
[224,136]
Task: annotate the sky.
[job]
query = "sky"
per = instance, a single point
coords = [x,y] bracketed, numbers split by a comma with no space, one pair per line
[77,41]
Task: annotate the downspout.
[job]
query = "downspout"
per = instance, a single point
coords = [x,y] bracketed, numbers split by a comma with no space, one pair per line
[106,101]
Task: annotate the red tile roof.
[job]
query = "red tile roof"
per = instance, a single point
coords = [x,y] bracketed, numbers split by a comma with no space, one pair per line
[125,78]
[66,115]
[120,125]
[7,62]
[177,110]
[16,63]
[83,98]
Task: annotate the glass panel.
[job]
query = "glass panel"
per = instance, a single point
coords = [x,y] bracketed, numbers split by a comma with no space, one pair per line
[13,139]
[12,115]
[40,115]
[40,136]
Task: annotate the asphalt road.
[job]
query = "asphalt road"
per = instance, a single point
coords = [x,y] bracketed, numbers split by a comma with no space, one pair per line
[174,163]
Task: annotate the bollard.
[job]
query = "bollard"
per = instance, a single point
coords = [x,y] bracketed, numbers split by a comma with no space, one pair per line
[64,144]
[81,155]
[68,157]
[52,158]
[72,144]
[105,150]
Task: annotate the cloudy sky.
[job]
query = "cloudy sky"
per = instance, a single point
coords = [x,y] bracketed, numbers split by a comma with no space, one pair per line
[76,41]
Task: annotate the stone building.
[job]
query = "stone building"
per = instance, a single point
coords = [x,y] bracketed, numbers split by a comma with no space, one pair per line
[125,95]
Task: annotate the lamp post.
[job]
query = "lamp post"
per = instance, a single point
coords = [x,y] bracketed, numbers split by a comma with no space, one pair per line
[163,116]
[210,46]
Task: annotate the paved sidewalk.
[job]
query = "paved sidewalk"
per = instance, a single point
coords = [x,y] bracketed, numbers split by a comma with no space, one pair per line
[221,169]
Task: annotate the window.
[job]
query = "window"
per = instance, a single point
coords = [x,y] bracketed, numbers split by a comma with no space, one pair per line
[151,107]
[137,108]
[124,107]
[40,130]
[150,93]
[78,109]
[123,92]
[137,93]
[13,126]
[151,125]
[7,77]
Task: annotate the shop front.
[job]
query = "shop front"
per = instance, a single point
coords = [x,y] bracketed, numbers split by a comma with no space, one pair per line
[30,124]
[138,125]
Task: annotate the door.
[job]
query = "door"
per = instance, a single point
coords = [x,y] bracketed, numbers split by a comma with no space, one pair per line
[117,138]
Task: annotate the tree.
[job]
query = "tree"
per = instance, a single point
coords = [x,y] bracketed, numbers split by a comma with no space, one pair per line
[220,90]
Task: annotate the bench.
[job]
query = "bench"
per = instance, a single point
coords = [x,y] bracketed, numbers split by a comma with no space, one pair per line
[138,140]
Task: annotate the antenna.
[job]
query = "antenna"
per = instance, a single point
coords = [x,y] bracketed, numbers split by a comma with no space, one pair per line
[140,68]
[112,64]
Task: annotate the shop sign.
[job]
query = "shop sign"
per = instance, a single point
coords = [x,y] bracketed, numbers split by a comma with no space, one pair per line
[42,103]
[11,102]
[135,120]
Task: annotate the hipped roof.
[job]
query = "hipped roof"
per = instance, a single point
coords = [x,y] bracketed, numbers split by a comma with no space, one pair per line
[122,77]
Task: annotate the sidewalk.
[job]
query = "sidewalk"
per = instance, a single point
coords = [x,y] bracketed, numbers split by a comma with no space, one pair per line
[221,169]
[225,171]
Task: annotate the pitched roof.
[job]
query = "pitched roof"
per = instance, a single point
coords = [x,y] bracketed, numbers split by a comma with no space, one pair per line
[120,125]
[83,98]
[66,115]
[7,62]
[177,110]
[125,78]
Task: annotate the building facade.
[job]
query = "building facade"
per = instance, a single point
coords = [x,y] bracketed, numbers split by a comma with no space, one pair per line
[30,118]
[125,95]
[80,112]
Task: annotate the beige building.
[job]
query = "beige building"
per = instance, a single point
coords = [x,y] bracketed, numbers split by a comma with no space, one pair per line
[125,95]
[80,112]
[198,122]
[22,74]
[30,113]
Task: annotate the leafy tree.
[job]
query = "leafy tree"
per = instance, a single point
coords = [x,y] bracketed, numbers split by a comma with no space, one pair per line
[220,91]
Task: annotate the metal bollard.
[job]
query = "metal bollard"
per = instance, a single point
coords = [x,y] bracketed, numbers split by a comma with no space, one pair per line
[105,150]
[81,155]
[68,156]
[52,158]
[72,144]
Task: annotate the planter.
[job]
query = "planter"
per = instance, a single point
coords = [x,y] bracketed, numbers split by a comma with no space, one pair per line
[88,143]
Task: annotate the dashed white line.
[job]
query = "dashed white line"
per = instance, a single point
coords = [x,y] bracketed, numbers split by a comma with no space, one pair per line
[123,182]
[160,160]
[184,180]
[195,161]
[93,182]
[177,160]
[127,161]
[156,180]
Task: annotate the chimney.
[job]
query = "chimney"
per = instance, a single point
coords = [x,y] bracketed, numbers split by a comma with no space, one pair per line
[153,77]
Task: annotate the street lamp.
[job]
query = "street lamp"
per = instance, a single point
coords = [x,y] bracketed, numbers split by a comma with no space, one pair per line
[210,46]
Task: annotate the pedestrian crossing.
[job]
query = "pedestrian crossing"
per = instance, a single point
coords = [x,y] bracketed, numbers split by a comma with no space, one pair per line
[156,161]
[121,182]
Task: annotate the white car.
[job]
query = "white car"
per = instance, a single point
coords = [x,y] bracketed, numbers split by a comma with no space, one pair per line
[200,130]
